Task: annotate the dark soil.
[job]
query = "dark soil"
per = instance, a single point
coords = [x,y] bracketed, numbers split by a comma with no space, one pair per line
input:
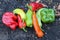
[52,30]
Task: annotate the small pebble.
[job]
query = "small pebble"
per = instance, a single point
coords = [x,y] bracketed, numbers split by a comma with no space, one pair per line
[59,19]
[48,28]
[0,2]
[36,37]
[58,7]
[45,32]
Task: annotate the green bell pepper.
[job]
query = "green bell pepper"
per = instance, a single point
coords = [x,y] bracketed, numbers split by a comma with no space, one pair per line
[47,15]
[29,18]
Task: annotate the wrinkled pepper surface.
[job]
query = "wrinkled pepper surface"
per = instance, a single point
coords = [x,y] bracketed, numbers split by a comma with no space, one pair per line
[22,25]
[9,19]
[29,18]
[20,12]
[47,15]
[34,6]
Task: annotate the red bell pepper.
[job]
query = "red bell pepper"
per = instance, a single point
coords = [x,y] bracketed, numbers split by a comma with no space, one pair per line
[21,23]
[34,6]
[9,19]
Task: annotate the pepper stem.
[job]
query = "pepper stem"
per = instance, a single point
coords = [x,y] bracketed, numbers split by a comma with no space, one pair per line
[30,7]
[24,29]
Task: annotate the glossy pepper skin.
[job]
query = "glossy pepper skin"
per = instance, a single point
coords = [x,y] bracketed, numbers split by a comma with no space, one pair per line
[20,12]
[9,19]
[47,15]
[29,18]
[34,6]
[37,28]
[39,18]
[22,25]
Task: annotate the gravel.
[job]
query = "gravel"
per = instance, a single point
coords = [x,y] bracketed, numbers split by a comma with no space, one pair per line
[52,30]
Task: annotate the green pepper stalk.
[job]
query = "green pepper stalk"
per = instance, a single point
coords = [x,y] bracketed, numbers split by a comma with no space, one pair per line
[29,18]
[47,15]
[20,12]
